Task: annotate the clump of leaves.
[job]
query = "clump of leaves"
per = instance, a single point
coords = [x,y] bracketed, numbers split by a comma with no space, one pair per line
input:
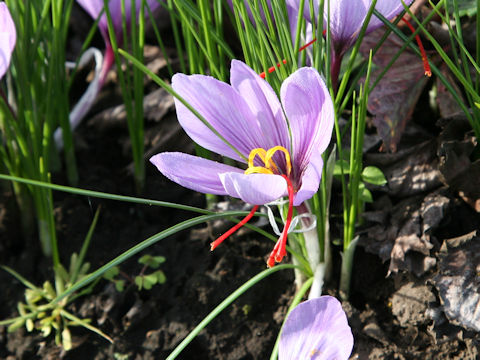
[41,312]
[143,280]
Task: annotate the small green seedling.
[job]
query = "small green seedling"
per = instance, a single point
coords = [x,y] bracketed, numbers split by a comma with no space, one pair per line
[142,280]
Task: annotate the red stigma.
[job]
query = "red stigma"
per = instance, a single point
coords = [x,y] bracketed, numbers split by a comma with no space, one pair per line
[279,250]
[272,68]
[217,242]
[426,65]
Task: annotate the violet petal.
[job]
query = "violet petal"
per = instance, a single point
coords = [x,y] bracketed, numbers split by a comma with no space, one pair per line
[263,103]
[224,109]
[8,37]
[309,110]
[310,179]
[255,189]
[193,172]
[316,329]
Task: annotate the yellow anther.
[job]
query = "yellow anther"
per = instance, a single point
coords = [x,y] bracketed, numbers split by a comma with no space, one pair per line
[272,151]
[251,157]
[266,156]
[258,170]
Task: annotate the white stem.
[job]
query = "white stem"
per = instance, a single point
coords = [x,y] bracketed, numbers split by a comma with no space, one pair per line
[313,248]
[317,285]
[86,101]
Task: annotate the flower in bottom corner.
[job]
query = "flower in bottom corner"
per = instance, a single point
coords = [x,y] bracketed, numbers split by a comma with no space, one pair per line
[316,329]
[280,143]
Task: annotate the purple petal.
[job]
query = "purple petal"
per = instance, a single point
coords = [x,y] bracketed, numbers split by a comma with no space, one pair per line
[310,180]
[255,189]
[193,172]
[225,110]
[295,5]
[8,37]
[347,18]
[316,329]
[95,7]
[309,109]
[389,9]
[263,103]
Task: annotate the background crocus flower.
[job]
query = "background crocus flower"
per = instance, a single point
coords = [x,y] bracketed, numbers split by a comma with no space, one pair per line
[94,8]
[316,329]
[346,21]
[8,37]
[250,117]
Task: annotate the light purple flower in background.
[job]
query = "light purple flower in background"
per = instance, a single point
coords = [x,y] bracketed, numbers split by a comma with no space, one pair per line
[95,7]
[316,329]
[8,37]
[346,21]
[249,115]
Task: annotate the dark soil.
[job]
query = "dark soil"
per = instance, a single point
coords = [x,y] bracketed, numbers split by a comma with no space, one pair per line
[390,316]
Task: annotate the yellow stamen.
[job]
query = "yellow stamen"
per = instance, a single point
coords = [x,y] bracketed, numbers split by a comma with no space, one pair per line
[258,170]
[272,152]
[266,156]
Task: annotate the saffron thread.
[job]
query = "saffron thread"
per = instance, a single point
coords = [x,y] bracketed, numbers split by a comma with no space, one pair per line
[279,250]
[217,242]
[426,65]
[272,69]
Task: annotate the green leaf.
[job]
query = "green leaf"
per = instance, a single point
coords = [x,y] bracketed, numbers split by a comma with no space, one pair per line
[139,282]
[16,325]
[151,261]
[119,285]
[337,171]
[364,194]
[29,324]
[373,175]
[66,339]
[149,280]
[465,7]
[111,273]
[161,278]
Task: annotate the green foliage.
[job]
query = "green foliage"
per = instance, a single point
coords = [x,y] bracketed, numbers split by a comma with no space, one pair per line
[143,280]
[465,7]
[373,175]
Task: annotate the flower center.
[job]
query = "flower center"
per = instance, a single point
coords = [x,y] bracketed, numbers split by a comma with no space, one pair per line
[269,165]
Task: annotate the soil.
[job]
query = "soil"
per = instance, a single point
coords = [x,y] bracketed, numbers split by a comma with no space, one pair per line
[392,317]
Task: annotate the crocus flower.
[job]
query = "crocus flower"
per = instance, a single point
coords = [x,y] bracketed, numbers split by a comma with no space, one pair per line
[316,329]
[8,37]
[95,7]
[282,158]
[346,21]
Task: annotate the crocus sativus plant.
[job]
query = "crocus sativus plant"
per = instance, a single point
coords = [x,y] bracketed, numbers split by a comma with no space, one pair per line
[281,143]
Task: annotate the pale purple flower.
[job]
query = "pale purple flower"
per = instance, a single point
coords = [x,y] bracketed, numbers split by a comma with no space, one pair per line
[316,329]
[95,7]
[346,21]
[249,115]
[8,37]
